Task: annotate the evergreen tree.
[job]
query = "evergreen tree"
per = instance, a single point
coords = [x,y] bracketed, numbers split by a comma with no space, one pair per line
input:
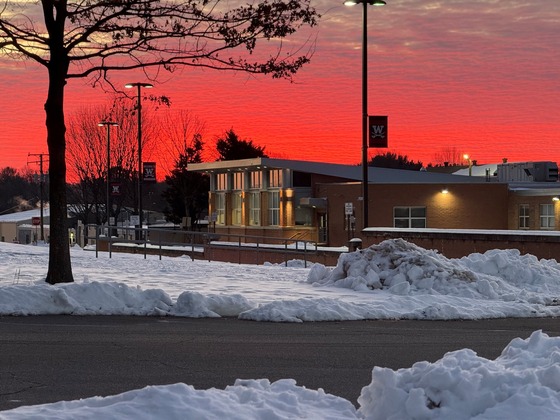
[18,191]
[187,192]
[231,147]
[394,161]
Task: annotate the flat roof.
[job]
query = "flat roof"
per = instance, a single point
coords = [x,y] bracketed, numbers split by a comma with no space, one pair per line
[349,172]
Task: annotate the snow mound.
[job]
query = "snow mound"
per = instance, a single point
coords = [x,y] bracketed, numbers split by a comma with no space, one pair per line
[247,399]
[403,268]
[524,382]
[89,298]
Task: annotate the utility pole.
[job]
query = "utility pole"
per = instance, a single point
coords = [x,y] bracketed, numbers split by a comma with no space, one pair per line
[41,186]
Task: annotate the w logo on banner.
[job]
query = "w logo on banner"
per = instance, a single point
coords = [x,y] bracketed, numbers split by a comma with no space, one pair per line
[149,174]
[378,131]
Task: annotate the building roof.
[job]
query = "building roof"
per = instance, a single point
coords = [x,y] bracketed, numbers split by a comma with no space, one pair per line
[22,216]
[349,172]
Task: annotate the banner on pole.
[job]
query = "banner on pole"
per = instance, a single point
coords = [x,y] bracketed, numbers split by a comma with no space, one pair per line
[149,174]
[378,131]
[116,189]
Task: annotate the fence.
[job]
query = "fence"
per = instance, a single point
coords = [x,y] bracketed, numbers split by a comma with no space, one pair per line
[245,249]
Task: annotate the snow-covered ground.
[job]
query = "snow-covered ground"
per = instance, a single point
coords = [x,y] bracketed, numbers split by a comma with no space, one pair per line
[393,280]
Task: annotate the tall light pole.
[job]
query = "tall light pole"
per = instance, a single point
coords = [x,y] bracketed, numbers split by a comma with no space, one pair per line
[365,181]
[108,125]
[468,158]
[139,86]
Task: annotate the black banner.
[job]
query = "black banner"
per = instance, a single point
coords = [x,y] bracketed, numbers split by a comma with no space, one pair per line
[149,172]
[378,131]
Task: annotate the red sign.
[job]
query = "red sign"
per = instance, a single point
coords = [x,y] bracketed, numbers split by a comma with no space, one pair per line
[35,221]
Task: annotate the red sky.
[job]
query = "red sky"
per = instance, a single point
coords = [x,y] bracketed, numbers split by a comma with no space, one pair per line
[480,76]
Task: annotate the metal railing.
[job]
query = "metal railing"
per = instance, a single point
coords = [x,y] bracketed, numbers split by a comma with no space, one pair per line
[198,245]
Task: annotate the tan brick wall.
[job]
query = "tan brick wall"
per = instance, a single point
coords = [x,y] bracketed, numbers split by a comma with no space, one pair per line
[466,206]
[534,203]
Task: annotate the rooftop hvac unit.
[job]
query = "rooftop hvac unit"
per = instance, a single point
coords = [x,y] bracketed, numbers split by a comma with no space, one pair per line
[545,172]
[528,171]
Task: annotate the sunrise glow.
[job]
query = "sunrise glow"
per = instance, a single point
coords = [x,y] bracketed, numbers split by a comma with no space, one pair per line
[477,76]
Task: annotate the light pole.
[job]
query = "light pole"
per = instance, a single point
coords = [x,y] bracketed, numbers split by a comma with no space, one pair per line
[108,125]
[468,158]
[139,86]
[365,195]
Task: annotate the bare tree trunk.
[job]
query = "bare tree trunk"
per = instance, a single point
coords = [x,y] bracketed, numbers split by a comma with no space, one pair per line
[60,269]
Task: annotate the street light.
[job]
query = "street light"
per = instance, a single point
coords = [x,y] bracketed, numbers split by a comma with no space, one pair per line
[139,86]
[108,124]
[365,103]
[468,158]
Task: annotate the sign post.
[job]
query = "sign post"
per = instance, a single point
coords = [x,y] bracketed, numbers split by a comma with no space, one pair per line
[348,212]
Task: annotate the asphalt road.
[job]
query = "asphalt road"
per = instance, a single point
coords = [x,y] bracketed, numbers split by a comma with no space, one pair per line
[52,358]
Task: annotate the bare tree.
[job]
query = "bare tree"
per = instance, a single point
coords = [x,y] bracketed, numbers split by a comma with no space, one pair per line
[177,131]
[449,156]
[87,156]
[83,38]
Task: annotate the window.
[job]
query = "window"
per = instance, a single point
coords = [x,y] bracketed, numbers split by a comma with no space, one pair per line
[238,181]
[220,209]
[275,178]
[274,208]
[221,182]
[256,180]
[301,179]
[255,209]
[409,217]
[524,216]
[547,216]
[237,208]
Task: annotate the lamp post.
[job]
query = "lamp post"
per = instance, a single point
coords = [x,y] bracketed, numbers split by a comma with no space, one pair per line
[139,86]
[468,158]
[108,125]
[365,181]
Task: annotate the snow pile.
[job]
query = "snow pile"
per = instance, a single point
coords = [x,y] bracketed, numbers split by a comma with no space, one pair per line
[87,298]
[392,280]
[247,399]
[523,383]
[403,268]
[196,305]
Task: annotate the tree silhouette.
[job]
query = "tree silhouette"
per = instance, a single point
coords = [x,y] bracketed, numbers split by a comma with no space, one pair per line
[18,191]
[91,39]
[231,147]
[86,157]
[394,161]
[187,192]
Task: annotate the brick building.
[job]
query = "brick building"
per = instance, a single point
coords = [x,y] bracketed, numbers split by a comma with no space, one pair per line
[323,202]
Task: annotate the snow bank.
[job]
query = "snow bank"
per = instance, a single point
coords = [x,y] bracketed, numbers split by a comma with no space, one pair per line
[405,269]
[392,280]
[247,399]
[523,383]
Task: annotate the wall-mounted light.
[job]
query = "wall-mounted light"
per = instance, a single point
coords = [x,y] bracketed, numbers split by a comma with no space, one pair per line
[445,190]
[556,198]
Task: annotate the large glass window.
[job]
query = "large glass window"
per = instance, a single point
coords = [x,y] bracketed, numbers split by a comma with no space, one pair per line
[524,216]
[255,209]
[238,181]
[547,216]
[221,182]
[409,217]
[274,208]
[275,178]
[256,180]
[220,209]
[237,208]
